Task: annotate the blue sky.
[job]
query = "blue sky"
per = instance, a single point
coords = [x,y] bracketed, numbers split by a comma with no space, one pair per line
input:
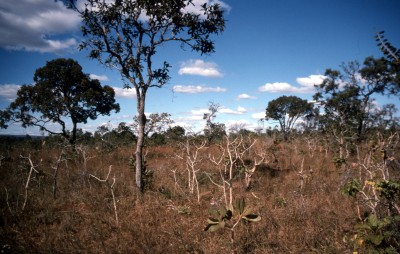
[269,48]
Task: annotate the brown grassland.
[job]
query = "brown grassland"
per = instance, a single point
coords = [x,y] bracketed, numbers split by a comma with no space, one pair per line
[89,207]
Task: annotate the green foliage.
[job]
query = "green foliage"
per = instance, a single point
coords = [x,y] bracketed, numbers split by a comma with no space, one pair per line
[338,161]
[351,188]
[281,202]
[215,131]
[346,96]
[109,139]
[240,212]
[157,139]
[389,189]
[176,133]
[376,235]
[218,220]
[244,211]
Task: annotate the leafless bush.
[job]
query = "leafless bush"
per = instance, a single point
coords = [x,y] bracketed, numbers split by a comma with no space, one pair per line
[192,159]
[109,184]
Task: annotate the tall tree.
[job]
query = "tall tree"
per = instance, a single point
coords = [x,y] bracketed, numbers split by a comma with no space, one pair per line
[287,110]
[125,34]
[61,92]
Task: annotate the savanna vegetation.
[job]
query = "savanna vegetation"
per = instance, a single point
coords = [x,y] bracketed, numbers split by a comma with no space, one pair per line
[304,197]
[328,184]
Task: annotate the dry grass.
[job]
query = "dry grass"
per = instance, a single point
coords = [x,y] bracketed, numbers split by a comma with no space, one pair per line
[299,215]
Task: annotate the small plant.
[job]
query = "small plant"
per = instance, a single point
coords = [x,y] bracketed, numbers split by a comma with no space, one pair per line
[351,188]
[376,235]
[230,218]
[281,202]
[338,161]
[377,196]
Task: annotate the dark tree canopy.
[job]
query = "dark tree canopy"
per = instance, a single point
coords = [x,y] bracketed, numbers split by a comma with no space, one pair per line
[347,95]
[175,133]
[61,91]
[340,103]
[287,110]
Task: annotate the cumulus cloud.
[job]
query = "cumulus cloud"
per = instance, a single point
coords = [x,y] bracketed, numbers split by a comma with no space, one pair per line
[239,111]
[310,81]
[258,116]
[9,91]
[34,25]
[124,92]
[244,96]
[306,85]
[199,112]
[277,87]
[201,68]
[197,89]
[101,77]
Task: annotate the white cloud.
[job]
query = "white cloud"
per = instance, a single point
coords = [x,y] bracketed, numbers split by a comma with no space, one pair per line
[311,80]
[258,116]
[201,68]
[124,92]
[32,25]
[197,89]
[306,85]
[239,111]
[199,112]
[277,87]
[101,77]
[194,115]
[9,91]
[245,96]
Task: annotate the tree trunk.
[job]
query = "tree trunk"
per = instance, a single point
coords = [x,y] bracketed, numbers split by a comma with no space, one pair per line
[73,134]
[141,97]
[361,120]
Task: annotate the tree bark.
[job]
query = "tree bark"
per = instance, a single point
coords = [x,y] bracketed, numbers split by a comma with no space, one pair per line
[72,139]
[141,97]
